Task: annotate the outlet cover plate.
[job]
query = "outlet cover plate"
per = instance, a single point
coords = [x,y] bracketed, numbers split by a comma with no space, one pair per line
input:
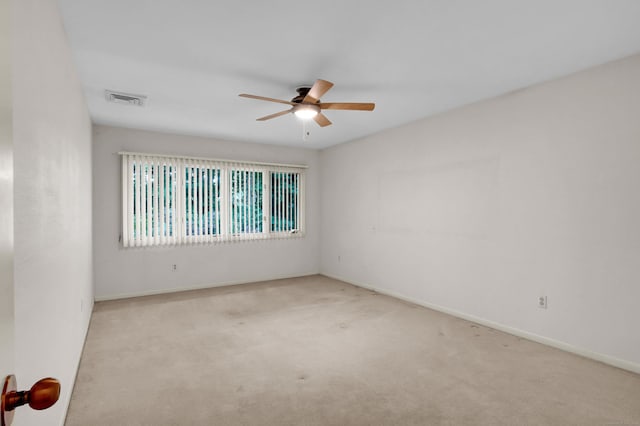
[542,302]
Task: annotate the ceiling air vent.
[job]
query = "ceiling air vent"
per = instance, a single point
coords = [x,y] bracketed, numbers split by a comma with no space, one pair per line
[125,98]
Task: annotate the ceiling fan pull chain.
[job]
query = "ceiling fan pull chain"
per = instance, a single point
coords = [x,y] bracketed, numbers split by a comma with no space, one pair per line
[305,132]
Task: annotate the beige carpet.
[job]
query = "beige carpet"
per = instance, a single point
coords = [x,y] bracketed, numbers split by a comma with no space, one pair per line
[316,351]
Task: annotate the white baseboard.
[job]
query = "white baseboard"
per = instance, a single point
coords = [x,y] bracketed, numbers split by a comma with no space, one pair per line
[197,287]
[606,359]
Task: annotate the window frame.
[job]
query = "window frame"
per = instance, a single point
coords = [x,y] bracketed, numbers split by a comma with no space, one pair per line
[181,208]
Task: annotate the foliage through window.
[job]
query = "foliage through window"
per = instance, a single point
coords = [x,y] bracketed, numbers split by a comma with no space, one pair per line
[173,200]
[246,202]
[284,195]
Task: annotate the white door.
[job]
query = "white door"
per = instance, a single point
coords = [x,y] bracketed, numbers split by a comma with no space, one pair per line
[45,392]
[6,198]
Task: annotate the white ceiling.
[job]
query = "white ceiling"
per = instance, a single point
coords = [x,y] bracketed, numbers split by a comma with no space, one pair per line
[412,58]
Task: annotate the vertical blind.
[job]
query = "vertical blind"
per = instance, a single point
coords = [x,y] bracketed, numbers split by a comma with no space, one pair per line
[284,203]
[180,200]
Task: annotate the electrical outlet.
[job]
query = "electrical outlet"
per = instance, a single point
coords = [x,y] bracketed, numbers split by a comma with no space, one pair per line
[542,302]
[338,259]
[174,267]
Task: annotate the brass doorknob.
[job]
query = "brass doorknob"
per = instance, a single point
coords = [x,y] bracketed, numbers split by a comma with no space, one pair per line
[42,395]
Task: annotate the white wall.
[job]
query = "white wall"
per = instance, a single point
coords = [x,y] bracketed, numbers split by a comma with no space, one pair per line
[123,272]
[480,210]
[52,143]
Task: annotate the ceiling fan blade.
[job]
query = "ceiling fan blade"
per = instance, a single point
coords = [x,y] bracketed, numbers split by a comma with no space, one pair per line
[262,98]
[322,120]
[319,88]
[277,114]
[348,106]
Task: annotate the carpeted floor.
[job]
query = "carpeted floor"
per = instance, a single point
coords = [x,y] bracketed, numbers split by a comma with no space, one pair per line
[316,351]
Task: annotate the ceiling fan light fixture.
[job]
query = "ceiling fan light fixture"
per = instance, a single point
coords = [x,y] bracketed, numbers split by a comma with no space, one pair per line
[306,112]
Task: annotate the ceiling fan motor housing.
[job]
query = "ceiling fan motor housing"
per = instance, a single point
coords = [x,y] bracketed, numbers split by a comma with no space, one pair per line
[302,92]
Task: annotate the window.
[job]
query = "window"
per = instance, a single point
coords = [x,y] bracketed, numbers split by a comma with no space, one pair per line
[151,201]
[178,200]
[284,205]
[246,201]
[202,201]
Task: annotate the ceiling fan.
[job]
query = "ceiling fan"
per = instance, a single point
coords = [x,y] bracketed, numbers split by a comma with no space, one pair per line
[307,104]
